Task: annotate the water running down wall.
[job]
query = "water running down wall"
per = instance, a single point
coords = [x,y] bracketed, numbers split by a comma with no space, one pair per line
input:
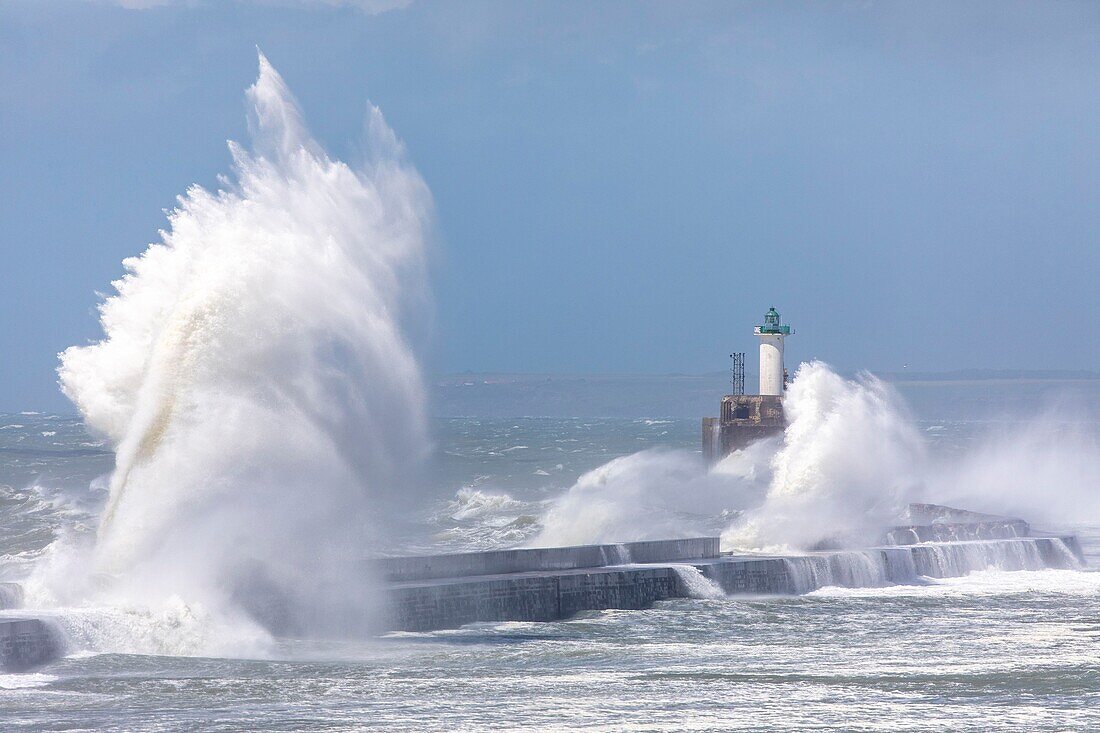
[556,594]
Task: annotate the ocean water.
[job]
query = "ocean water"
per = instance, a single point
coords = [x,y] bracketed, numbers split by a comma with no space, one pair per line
[990,651]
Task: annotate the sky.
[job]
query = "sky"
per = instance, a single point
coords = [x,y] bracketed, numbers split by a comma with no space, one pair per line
[620,187]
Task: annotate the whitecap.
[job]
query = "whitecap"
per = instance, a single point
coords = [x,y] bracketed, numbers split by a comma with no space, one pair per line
[26,681]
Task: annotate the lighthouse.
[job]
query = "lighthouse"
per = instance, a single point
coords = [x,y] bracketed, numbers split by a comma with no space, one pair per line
[771,335]
[745,418]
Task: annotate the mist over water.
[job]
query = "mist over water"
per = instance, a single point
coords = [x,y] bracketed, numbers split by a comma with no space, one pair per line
[850,460]
[258,385]
[657,493]
[1046,469]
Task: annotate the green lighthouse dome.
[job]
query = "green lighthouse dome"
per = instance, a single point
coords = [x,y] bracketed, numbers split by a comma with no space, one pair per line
[772,324]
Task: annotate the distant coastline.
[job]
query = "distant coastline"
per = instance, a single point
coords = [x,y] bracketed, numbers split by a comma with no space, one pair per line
[984,375]
[957,375]
[505,394]
[960,394]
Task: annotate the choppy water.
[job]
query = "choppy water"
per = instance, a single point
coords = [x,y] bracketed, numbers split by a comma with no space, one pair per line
[990,651]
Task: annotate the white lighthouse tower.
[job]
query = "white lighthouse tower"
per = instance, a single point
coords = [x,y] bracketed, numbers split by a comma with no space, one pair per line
[771,335]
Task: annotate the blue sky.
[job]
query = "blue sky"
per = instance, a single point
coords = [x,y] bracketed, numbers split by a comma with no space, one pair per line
[621,187]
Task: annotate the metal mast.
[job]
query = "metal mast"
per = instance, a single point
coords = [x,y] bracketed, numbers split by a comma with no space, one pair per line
[738,372]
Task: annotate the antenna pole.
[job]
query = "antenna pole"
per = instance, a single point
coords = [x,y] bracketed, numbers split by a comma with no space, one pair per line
[738,372]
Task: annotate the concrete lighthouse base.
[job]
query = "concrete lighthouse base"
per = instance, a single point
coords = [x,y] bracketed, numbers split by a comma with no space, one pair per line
[743,419]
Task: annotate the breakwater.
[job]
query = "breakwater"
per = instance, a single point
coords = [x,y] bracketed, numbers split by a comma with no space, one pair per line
[545,584]
[547,595]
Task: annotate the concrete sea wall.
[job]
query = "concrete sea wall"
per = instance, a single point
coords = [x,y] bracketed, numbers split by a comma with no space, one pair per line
[533,596]
[631,576]
[546,595]
[497,562]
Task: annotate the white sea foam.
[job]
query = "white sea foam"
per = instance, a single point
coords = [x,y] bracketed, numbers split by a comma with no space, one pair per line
[26,681]
[259,384]
[470,503]
[985,582]
[484,519]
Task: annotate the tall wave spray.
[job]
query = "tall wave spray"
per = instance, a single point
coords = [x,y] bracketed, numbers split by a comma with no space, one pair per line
[850,460]
[257,377]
